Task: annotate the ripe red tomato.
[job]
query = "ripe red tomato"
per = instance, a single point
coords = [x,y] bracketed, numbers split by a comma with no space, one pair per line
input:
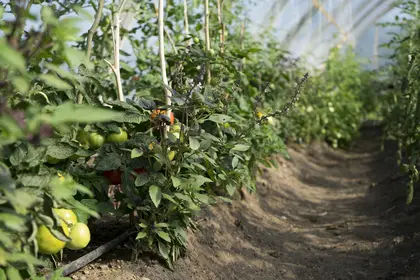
[114,176]
[140,170]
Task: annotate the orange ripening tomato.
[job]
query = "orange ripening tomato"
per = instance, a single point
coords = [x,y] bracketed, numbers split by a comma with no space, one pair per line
[157,112]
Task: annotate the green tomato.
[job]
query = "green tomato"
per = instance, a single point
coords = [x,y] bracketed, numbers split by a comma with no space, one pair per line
[171,155]
[212,52]
[80,237]
[67,215]
[48,244]
[96,140]
[196,40]
[120,137]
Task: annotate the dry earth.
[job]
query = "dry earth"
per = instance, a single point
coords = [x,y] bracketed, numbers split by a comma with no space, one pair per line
[324,214]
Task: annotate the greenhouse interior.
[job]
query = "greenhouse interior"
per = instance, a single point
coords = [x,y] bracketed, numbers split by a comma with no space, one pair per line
[206,140]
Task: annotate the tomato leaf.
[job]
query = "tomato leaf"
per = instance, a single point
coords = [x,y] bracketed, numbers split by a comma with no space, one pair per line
[235,162]
[10,57]
[70,112]
[141,235]
[18,155]
[164,252]
[225,199]
[107,162]
[192,206]
[199,180]
[175,181]
[241,148]
[21,200]
[54,81]
[61,151]
[155,194]
[13,273]
[132,117]
[202,198]
[24,257]
[13,222]
[135,153]
[230,189]
[183,196]
[181,234]
[220,118]
[146,104]
[194,143]
[168,197]
[59,235]
[161,225]
[142,179]
[30,180]
[163,235]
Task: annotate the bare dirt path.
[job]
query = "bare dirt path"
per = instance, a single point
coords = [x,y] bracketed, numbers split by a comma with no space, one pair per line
[323,214]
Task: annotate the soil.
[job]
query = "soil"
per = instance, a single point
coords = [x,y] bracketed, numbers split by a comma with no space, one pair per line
[323,214]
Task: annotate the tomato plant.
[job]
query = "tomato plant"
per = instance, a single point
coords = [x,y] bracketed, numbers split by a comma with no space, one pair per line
[67,110]
[401,98]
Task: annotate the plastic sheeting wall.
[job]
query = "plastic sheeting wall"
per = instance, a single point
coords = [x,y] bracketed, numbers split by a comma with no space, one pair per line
[309,28]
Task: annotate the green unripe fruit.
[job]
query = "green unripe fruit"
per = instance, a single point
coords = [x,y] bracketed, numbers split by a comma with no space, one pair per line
[96,140]
[80,237]
[120,137]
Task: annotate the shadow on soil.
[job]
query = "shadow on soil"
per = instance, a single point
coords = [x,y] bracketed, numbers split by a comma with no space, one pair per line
[324,214]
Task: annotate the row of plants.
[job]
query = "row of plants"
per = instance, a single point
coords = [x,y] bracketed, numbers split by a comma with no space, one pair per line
[399,91]
[170,127]
[333,108]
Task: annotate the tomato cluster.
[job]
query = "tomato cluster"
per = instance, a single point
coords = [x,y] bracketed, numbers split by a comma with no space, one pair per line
[95,140]
[79,234]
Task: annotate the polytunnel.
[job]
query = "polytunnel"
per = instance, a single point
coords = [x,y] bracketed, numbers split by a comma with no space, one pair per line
[209,139]
[310,28]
